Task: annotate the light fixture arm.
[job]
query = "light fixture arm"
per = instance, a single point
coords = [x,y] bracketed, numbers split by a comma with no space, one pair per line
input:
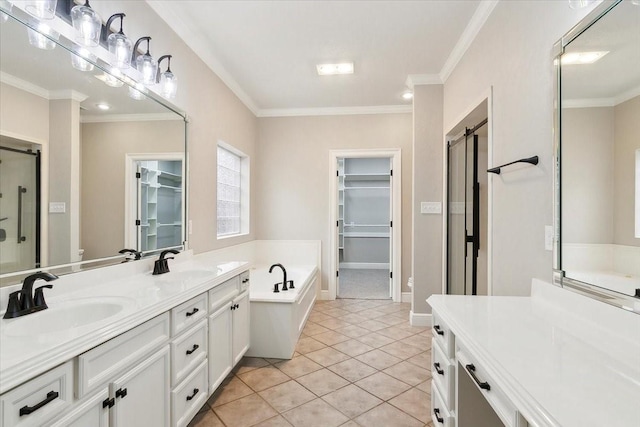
[168,57]
[134,53]
[105,34]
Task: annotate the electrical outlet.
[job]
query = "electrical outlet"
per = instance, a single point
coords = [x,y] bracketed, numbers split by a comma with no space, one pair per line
[430,207]
[57,207]
[548,237]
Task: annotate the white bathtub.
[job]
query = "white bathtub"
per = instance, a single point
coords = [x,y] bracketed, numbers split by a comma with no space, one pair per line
[277,319]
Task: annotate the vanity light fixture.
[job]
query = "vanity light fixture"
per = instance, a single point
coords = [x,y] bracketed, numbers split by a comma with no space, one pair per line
[119,44]
[41,9]
[137,91]
[5,6]
[407,95]
[333,69]
[103,106]
[112,79]
[42,37]
[168,81]
[145,62]
[581,58]
[87,24]
[579,4]
[80,60]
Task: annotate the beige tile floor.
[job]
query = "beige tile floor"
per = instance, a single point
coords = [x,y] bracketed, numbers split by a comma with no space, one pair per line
[357,363]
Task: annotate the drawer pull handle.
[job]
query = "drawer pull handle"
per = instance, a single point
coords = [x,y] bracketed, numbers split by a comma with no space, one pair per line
[245,280]
[51,396]
[438,330]
[195,391]
[192,312]
[472,371]
[436,412]
[195,347]
[122,393]
[438,369]
[109,402]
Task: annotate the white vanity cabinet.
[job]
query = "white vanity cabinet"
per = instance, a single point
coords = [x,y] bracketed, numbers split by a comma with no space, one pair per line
[240,326]
[220,363]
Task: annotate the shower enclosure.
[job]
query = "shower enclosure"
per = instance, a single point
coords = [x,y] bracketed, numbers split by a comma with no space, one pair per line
[19,209]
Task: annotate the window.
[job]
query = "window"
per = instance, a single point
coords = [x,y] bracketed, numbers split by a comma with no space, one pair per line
[233,192]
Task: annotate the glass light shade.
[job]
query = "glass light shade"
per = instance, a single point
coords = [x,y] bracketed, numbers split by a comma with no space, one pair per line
[112,79]
[120,47]
[148,67]
[168,85]
[42,9]
[39,40]
[5,5]
[579,4]
[79,60]
[87,24]
[137,92]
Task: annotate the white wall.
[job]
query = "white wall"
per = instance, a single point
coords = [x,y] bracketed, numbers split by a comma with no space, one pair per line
[512,54]
[293,174]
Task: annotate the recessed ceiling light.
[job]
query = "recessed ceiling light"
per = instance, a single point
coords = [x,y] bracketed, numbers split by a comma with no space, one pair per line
[331,69]
[102,106]
[407,95]
[581,58]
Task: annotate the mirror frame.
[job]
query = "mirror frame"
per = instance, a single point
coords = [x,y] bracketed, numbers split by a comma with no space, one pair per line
[65,42]
[616,299]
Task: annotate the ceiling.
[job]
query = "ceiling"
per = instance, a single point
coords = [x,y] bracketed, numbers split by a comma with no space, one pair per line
[267,51]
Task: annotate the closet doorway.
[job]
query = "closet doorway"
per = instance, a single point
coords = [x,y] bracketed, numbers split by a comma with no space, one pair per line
[365,212]
[467,220]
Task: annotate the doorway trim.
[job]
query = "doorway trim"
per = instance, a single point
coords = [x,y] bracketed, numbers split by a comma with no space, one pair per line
[486,96]
[396,215]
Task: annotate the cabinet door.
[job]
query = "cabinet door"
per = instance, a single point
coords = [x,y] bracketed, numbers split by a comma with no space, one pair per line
[142,394]
[92,412]
[219,346]
[240,326]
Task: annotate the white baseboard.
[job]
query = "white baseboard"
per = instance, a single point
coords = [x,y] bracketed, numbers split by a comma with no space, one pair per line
[324,294]
[365,265]
[419,319]
[406,297]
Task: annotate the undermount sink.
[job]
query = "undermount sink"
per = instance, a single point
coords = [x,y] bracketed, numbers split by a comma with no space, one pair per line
[65,316]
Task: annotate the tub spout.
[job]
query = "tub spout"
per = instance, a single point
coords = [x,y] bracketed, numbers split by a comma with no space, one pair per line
[284,280]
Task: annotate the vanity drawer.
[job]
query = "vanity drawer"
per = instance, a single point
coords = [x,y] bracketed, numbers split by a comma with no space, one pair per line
[443,336]
[188,351]
[223,293]
[36,402]
[244,281]
[440,414]
[443,374]
[102,363]
[188,314]
[487,387]
[189,397]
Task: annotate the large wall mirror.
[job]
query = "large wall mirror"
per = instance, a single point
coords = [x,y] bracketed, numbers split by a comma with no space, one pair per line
[598,196]
[88,165]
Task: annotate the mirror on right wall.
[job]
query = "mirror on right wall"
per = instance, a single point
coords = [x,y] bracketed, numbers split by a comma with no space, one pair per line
[598,156]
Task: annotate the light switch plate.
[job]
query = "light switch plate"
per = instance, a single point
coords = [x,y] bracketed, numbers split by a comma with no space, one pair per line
[548,237]
[430,207]
[57,207]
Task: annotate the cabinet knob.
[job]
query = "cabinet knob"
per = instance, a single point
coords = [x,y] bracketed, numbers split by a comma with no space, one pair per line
[108,402]
[122,393]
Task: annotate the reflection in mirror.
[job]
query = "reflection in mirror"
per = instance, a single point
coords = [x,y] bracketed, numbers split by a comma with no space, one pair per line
[600,109]
[71,145]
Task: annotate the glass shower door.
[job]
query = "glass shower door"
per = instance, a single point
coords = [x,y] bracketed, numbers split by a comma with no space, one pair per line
[456,221]
[19,210]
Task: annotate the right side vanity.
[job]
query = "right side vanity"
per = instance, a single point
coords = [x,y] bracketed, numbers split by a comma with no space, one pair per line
[568,355]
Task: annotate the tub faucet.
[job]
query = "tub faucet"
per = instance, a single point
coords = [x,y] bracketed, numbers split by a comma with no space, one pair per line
[161,266]
[22,302]
[284,279]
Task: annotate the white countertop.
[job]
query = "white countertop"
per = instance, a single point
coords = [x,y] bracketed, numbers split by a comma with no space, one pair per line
[560,367]
[143,296]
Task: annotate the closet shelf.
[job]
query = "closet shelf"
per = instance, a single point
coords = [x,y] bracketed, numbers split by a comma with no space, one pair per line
[366,176]
[367,235]
[171,176]
[366,188]
[365,225]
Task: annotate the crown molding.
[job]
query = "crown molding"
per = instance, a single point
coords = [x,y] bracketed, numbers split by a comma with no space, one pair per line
[625,96]
[601,102]
[335,111]
[111,118]
[469,34]
[422,79]
[67,94]
[24,85]
[165,10]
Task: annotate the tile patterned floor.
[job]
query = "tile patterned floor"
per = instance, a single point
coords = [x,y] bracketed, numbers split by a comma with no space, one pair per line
[357,363]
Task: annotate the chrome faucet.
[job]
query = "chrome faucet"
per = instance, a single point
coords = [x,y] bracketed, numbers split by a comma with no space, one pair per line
[161,266]
[285,282]
[24,302]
